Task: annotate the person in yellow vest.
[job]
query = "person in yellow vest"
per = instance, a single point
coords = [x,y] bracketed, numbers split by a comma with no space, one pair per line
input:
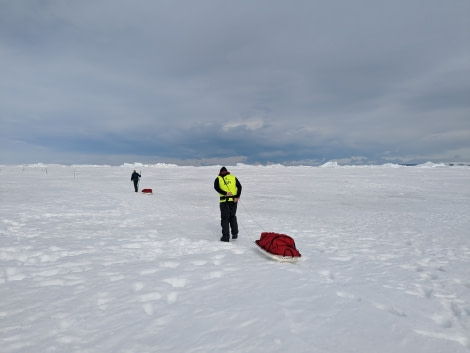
[229,189]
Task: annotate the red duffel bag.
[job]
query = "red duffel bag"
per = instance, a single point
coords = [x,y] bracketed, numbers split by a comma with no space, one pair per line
[278,244]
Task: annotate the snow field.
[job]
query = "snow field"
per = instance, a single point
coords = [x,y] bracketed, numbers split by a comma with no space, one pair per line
[88,265]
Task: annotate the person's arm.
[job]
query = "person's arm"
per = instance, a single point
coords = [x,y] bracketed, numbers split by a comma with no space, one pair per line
[239,189]
[217,187]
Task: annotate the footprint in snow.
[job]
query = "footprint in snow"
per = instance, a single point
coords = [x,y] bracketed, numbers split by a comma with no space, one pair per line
[390,309]
[443,321]
[199,263]
[149,308]
[348,296]
[137,286]
[176,282]
[238,251]
[213,274]
[217,258]
[169,264]
[327,274]
[148,300]
[171,297]
[102,300]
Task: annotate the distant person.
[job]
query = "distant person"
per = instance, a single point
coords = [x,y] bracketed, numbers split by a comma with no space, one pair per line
[135,178]
[229,189]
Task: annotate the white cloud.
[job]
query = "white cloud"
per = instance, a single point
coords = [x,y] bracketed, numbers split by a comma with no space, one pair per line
[249,125]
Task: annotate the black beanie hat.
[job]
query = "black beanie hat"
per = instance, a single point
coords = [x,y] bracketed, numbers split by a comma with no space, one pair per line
[223,171]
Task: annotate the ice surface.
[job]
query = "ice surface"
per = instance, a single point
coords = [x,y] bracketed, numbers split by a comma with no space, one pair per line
[88,265]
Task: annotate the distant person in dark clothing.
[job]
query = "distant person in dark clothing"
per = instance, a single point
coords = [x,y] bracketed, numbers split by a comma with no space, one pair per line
[229,189]
[135,178]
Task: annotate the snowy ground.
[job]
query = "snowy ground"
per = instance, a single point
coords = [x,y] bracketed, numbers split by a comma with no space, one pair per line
[88,265]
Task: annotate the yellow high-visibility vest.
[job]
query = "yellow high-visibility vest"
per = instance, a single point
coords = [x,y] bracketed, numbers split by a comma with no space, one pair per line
[228,183]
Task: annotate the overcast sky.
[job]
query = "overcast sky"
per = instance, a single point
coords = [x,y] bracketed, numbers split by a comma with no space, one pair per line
[220,82]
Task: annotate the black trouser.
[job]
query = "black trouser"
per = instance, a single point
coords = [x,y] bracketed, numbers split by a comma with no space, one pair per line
[136,185]
[228,218]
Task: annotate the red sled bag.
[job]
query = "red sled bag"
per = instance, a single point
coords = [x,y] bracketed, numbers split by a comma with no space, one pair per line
[278,244]
[147,191]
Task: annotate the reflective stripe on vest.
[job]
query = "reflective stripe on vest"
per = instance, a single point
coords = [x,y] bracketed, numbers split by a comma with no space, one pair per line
[228,183]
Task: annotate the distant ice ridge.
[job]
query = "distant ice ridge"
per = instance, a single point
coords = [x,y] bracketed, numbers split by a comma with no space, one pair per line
[334,164]
[329,164]
[137,165]
[431,165]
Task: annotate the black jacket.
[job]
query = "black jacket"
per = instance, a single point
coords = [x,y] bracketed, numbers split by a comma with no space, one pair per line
[220,191]
[135,176]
